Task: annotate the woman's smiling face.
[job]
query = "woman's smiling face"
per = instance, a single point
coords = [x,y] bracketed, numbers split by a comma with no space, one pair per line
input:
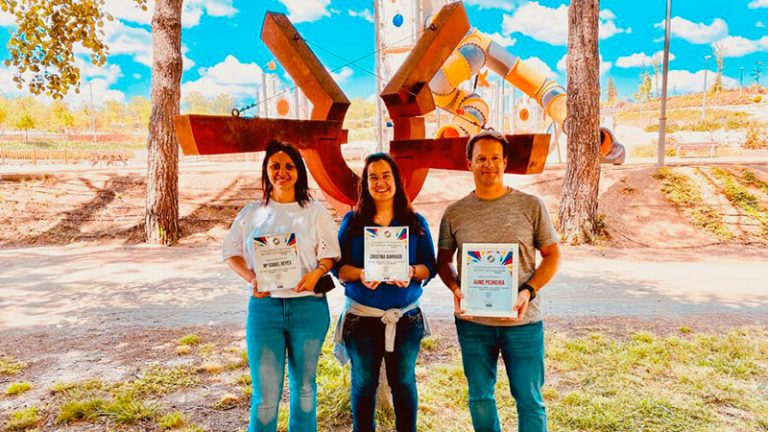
[381,181]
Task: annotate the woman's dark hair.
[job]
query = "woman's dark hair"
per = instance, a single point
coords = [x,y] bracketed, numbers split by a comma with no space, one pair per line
[365,209]
[301,187]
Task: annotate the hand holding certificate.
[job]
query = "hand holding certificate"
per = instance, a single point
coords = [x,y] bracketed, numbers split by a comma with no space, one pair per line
[489,273]
[276,262]
[386,254]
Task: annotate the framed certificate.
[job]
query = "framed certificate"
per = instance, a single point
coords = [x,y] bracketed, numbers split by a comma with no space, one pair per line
[489,279]
[276,262]
[386,253]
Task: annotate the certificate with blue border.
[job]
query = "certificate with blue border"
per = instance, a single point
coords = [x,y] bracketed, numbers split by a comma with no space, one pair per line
[489,274]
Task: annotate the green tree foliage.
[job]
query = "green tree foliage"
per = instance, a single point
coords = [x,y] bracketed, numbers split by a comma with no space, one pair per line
[4,108]
[115,116]
[26,122]
[138,110]
[644,89]
[656,68]
[42,47]
[718,52]
[196,103]
[611,94]
[756,71]
[61,117]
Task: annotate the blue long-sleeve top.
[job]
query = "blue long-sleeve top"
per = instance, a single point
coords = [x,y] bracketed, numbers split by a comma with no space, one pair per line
[421,250]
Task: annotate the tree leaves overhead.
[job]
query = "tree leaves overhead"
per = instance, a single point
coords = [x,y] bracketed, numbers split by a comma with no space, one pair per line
[48,35]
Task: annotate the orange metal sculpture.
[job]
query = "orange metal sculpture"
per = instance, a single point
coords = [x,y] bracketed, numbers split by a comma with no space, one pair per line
[407,97]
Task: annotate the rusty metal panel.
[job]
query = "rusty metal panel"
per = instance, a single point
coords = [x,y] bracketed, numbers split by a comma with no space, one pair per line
[207,134]
[524,155]
[286,44]
[407,94]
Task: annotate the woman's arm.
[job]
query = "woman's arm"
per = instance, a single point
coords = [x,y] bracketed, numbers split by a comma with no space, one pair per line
[237,264]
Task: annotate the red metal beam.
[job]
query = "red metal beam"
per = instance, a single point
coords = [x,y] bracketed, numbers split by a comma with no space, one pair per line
[407,94]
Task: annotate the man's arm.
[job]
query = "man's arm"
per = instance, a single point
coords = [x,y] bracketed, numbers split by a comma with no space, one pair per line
[541,276]
[550,262]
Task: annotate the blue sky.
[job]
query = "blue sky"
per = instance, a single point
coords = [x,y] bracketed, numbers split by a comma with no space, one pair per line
[224,54]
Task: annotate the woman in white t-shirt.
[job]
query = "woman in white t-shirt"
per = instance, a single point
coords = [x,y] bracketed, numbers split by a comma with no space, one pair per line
[291,320]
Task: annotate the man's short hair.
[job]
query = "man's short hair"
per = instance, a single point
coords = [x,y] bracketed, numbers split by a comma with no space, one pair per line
[487,134]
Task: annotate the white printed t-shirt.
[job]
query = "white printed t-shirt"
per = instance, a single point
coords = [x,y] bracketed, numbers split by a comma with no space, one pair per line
[316,234]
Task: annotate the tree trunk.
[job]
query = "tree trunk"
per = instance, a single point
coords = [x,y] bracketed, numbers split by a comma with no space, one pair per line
[162,208]
[578,203]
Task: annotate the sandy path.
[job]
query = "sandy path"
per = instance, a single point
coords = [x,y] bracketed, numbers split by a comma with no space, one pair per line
[86,288]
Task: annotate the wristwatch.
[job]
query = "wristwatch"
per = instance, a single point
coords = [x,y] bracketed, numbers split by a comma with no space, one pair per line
[527,286]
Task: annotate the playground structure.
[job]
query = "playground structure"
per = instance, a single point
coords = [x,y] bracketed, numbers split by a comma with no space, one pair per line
[447,53]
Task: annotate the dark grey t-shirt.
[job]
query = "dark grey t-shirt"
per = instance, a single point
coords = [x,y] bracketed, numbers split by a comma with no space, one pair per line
[515,217]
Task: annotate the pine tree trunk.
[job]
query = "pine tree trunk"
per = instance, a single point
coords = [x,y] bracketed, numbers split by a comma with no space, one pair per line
[578,203]
[162,209]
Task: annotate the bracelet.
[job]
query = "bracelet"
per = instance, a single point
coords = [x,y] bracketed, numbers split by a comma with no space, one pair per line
[322,268]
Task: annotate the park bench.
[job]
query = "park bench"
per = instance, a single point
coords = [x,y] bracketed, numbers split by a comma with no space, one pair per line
[692,149]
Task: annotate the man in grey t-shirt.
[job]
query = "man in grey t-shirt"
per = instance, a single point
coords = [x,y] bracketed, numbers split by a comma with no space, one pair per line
[495,213]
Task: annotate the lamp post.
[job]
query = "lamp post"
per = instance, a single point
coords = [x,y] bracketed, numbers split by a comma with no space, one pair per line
[704,94]
[663,112]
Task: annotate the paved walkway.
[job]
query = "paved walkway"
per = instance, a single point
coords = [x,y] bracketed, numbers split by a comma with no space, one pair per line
[96,287]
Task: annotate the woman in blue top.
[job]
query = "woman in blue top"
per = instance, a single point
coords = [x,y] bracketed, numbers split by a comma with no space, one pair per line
[383,320]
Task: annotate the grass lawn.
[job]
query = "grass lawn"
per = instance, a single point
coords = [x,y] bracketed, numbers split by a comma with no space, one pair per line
[46,145]
[683,381]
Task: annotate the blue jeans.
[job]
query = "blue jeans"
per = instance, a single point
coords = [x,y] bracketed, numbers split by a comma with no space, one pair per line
[522,348]
[276,326]
[364,339]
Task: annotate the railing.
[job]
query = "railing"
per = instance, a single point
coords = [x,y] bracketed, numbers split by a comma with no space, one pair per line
[109,157]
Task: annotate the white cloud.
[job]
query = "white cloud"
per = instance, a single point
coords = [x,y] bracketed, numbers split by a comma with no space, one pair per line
[502,40]
[755,4]
[136,76]
[128,11]
[609,28]
[372,98]
[550,25]
[759,24]
[365,14]
[605,66]
[686,81]
[98,79]
[697,33]
[507,5]
[306,10]
[606,14]
[109,72]
[135,42]
[7,86]
[641,59]
[7,19]
[192,11]
[232,71]
[737,46]
[342,75]
[540,66]
[539,22]
[99,89]
[99,86]
[231,76]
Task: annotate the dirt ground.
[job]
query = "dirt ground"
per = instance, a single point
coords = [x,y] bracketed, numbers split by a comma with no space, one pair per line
[108,205]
